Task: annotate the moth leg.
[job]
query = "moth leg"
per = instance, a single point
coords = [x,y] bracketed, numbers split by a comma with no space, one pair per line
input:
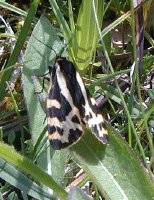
[36,82]
[16,75]
[43,83]
[41,95]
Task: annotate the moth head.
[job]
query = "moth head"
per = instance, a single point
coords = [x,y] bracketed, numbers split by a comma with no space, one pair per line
[66,67]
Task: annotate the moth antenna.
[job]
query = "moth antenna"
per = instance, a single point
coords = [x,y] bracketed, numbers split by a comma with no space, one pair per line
[45,44]
[62,49]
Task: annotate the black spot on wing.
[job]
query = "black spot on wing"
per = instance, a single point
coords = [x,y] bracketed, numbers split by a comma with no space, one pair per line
[54,92]
[51,129]
[55,112]
[83,122]
[100,126]
[95,129]
[52,71]
[67,67]
[90,115]
[56,144]
[104,139]
[94,107]
[82,111]
[75,119]
[104,125]
[59,130]
[62,112]
[65,108]
[87,117]
[74,135]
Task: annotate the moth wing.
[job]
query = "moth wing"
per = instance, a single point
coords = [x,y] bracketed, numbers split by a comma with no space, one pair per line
[64,122]
[91,115]
[69,108]
[95,121]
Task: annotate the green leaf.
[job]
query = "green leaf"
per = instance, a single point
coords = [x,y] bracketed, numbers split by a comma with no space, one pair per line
[43,44]
[22,182]
[8,154]
[58,161]
[71,19]
[38,56]
[114,168]
[84,44]
[77,194]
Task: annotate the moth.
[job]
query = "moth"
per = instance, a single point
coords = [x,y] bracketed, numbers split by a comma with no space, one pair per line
[69,108]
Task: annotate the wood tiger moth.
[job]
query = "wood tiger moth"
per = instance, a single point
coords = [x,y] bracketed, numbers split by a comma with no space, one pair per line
[69,108]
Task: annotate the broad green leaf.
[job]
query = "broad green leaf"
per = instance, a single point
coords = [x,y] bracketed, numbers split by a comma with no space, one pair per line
[77,194]
[40,53]
[85,41]
[38,57]
[57,164]
[114,168]
[22,182]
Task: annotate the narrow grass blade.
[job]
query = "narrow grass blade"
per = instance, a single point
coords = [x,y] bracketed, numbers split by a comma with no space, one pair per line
[19,44]
[61,20]
[22,182]
[12,8]
[25,165]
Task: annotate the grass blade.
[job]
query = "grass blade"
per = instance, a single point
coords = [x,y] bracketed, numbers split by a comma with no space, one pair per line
[12,8]
[22,182]
[24,164]
[19,44]
[61,20]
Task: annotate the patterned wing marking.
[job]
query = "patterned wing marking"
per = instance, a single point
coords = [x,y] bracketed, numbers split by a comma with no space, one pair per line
[92,118]
[72,84]
[64,121]
[64,133]
[69,108]
[52,102]
[75,119]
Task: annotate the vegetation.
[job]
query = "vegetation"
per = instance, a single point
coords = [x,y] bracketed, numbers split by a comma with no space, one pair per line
[111,44]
